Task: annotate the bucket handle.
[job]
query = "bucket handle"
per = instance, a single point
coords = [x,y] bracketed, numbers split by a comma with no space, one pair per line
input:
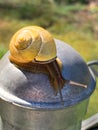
[91,123]
[93,66]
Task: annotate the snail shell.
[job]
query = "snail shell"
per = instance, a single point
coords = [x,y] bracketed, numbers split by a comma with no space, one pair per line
[32,43]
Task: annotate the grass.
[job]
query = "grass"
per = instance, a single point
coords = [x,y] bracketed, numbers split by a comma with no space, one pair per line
[93,104]
[68,9]
[68,23]
[2,51]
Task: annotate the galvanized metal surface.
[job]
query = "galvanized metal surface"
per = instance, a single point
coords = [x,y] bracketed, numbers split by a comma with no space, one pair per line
[29,100]
[19,118]
[34,90]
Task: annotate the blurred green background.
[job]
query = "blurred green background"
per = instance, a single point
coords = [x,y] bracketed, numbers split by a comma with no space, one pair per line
[73,21]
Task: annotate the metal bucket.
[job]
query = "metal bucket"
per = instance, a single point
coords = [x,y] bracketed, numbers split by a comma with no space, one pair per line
[27,101]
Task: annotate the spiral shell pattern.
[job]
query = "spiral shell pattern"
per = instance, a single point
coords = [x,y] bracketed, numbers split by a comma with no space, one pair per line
[32,43]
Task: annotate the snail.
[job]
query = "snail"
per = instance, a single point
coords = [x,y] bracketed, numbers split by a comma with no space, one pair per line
[32,48]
